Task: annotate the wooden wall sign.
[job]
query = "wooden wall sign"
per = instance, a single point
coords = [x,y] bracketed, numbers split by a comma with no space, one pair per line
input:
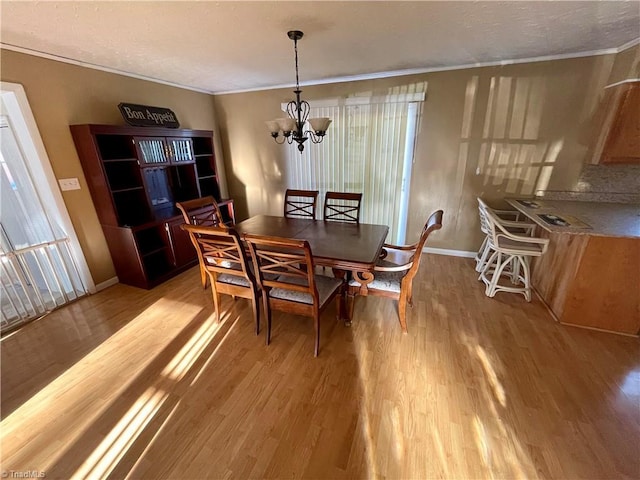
[145,116]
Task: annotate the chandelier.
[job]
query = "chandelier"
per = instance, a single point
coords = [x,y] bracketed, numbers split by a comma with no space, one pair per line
[292,128]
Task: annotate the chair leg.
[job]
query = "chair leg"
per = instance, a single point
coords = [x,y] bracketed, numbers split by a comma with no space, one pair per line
[267,311]
[500,266]
[481,257]
[515,270]
[256,310]
[410,294]
[216,302]
[316,319]
[402,311]
[526,273]
[203,277]
[487,267]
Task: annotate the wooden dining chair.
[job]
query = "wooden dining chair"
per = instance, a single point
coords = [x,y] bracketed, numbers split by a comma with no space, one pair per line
[284,269]
[201,211]
[222,257]
[393,274]
[342,207]
[300,203]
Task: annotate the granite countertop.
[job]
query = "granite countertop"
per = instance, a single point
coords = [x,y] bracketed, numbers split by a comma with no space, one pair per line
[585,218]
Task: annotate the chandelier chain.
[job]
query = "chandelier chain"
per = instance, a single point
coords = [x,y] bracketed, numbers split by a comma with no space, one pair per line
[295,47]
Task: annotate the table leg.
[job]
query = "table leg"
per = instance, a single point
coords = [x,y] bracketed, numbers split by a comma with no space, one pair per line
[341,274]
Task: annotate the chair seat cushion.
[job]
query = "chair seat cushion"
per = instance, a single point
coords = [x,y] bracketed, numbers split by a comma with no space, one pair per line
[387,281]
[512,246]
[325,285]
[233,280]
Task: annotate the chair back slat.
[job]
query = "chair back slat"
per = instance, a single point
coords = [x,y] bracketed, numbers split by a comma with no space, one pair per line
[300,203]
[342,206]
[283,263]
[219,250]
[201,211]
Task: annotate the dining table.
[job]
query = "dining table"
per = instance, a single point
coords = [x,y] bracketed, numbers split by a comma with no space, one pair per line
[349,249]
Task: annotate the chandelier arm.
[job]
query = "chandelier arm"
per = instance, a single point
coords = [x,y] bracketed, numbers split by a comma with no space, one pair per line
[314,138]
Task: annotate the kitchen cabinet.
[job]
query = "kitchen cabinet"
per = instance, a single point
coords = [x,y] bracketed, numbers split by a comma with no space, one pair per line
[619,142]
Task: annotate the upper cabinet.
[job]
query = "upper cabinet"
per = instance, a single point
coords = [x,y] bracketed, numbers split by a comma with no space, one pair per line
[620,139]
[164,150]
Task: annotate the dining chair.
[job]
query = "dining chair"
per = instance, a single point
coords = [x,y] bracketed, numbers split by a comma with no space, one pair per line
[285,273]
[394,272]
[511,257]
[201,211]
[300,203]
[222,257]
[510,219]
[342,206]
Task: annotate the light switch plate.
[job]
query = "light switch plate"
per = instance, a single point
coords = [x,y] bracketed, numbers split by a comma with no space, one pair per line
[69,184]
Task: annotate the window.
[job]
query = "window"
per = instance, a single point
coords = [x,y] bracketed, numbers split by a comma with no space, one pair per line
[368,148]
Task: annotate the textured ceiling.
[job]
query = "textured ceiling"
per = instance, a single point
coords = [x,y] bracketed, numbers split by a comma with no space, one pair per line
[233,46]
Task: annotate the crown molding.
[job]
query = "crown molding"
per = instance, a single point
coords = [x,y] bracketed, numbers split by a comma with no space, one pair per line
[326,81]
[417,71]
[93,66]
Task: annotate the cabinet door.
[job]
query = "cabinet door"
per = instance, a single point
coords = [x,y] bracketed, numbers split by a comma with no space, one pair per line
[152,150]
[184,253]
[181,150]
[623,142]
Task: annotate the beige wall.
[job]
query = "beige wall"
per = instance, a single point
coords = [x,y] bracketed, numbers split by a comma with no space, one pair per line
[547,106]
[61,95]
[491,132]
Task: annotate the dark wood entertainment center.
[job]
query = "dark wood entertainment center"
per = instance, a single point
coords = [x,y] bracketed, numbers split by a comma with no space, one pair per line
[135,176]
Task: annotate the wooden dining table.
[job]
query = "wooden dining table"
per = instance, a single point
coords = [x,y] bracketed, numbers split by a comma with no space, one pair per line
[347,248]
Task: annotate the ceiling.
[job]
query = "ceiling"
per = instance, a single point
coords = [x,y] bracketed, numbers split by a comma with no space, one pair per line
[229,46]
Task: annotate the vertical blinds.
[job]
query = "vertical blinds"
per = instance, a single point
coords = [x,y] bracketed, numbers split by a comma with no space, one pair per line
[363,151]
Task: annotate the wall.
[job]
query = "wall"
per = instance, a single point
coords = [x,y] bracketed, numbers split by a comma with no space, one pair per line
[60,95]
[490,132]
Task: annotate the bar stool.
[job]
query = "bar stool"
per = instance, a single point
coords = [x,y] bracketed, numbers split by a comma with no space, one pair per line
[509,219]
[513,251]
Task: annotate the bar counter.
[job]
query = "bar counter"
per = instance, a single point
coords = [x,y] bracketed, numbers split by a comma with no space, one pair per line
[590,275]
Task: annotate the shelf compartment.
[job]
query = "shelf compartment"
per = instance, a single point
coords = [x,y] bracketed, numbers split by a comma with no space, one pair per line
[202,146]
[183,182]
[209,186]
[131,207]
[157,264]
[151,240]
[205,165]
[123,175]
[115,147]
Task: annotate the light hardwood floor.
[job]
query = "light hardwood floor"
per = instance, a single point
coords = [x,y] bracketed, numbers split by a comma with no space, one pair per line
[130,383]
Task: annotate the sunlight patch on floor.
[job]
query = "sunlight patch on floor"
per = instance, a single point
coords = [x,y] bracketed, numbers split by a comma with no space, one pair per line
[107,455]
[68,406]
[225,317]
[184,360]
[496,386]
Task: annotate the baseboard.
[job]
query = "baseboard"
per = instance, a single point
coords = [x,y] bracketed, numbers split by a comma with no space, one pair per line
[451,253]
[106,283]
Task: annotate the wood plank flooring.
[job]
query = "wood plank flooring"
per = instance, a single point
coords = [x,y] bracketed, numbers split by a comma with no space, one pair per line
[135,384]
